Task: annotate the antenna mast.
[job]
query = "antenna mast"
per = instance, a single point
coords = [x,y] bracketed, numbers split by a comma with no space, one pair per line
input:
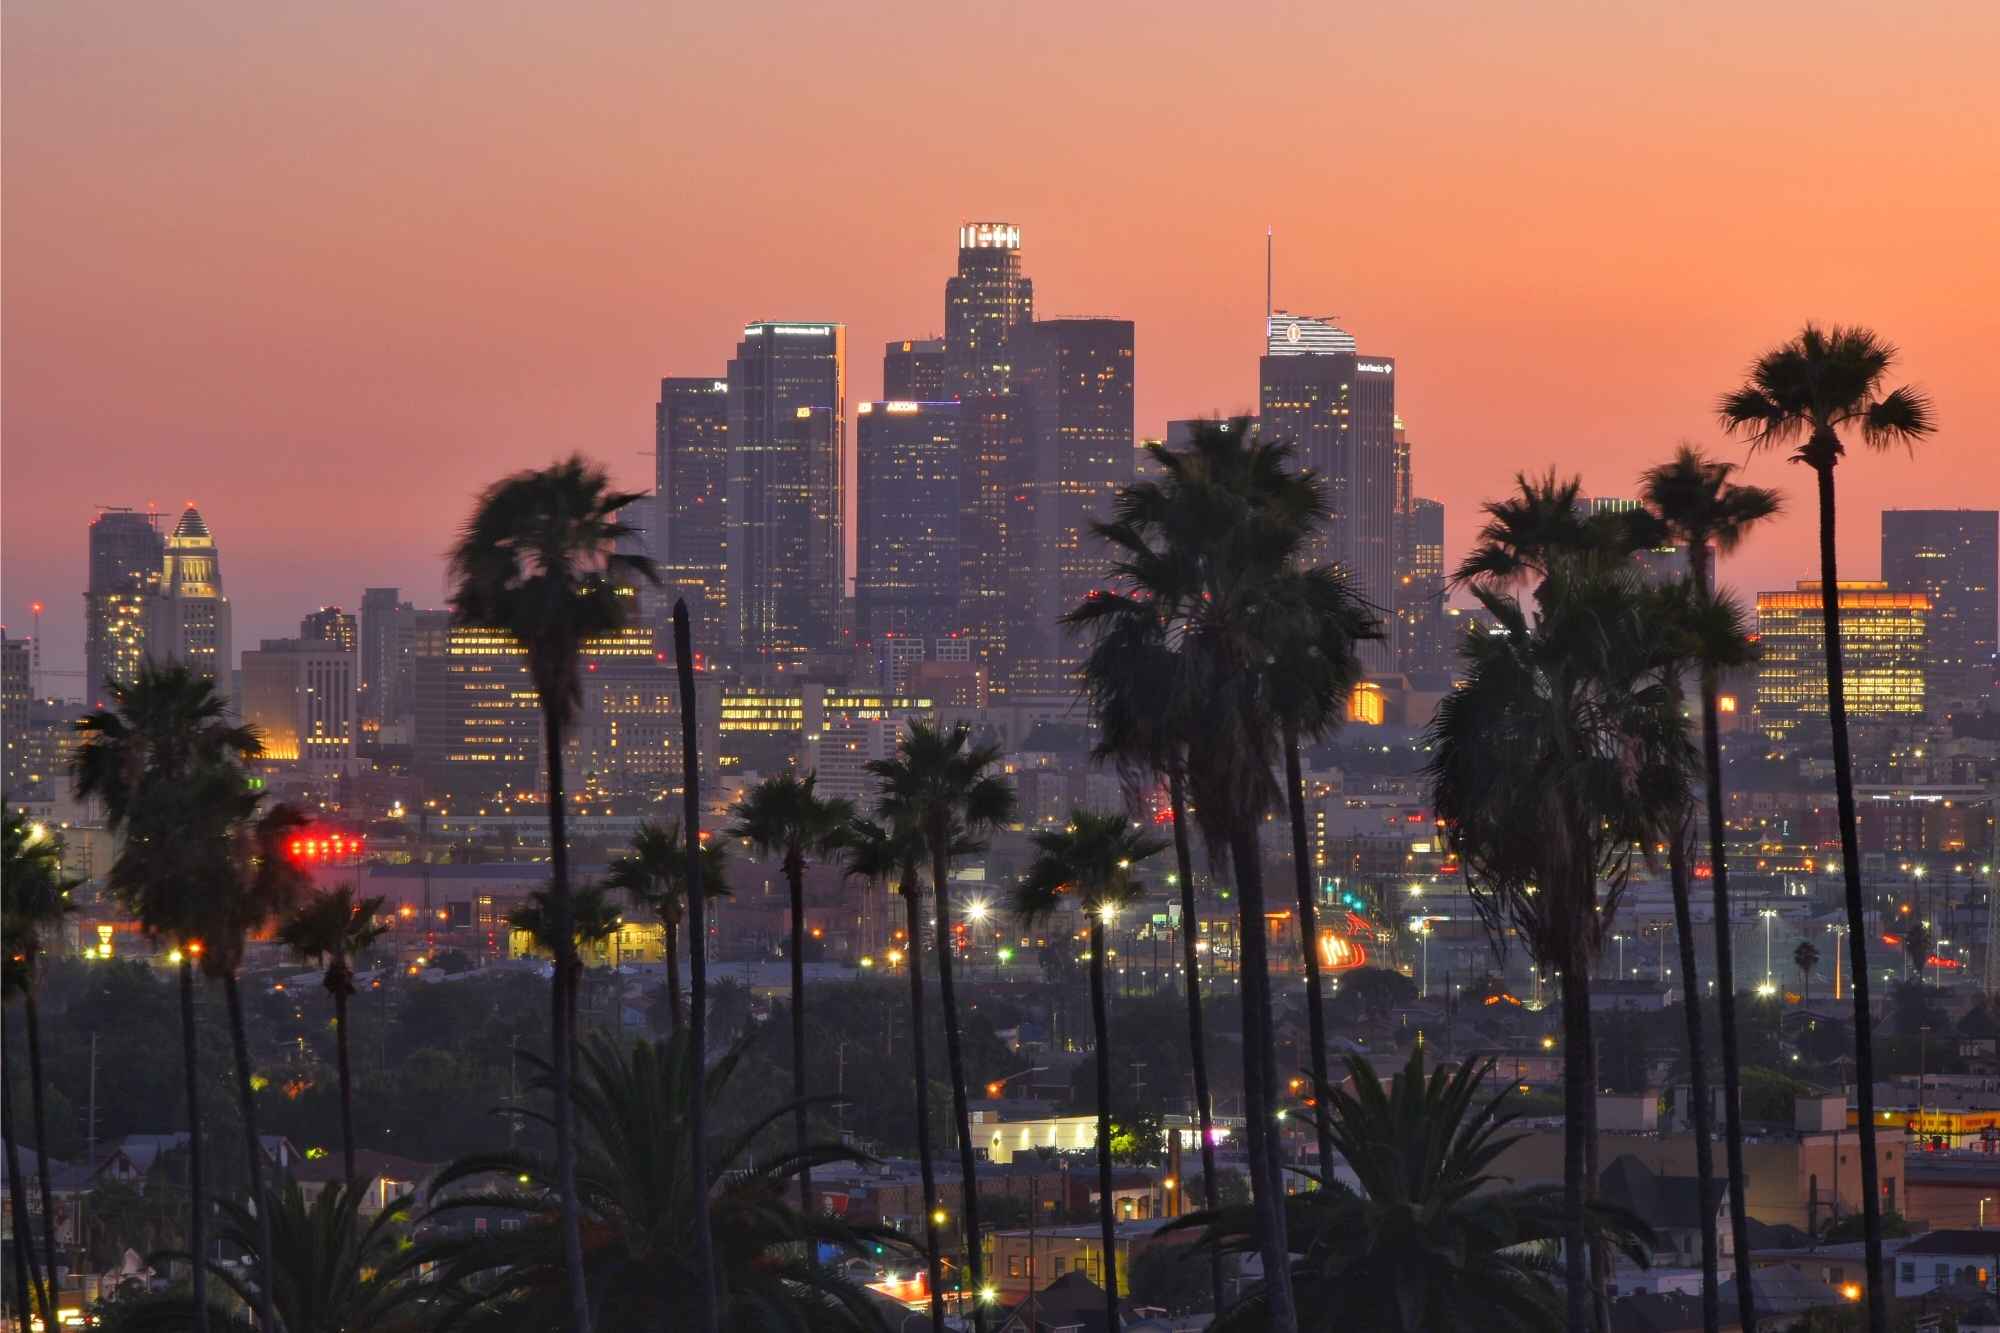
[1267,280]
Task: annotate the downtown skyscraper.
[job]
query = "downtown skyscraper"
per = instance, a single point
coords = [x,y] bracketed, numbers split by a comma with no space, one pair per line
[985,301]
[906,581]
[691,479]
[1073,386]
[1337,408]
[785,494]
[126,555]
[187,621]
[1951,556]
[917,370]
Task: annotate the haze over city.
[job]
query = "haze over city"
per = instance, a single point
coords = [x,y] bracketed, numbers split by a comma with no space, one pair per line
[327,271]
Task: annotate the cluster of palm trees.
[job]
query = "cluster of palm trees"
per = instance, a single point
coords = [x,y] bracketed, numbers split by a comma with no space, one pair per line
[1218,648]
[1562,755]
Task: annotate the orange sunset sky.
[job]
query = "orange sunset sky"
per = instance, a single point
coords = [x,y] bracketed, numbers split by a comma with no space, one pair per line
[328,268]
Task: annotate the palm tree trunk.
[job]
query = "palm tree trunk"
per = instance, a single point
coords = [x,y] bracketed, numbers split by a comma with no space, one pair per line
[239,1041]
[197,1194]
[1295,797]
[912,902]
[1725,980]
[1106,1213]
[25,1281]
[707,1312]
[1197,1040]
[563,1054]
[955,1053]
[1577,1097]
[795,875]
[346,1070]
[1704,1159]
[1260,1083]
[1600,1255]
[1857,933]
[674,1014]
[32,1017]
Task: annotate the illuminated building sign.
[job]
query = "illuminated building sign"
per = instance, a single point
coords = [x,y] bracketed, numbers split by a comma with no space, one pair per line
[989,236]
[1374,368]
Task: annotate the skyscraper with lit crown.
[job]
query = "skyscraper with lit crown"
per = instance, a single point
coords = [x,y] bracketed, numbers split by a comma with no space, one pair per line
[188,620]
[985,302]
[1337,407]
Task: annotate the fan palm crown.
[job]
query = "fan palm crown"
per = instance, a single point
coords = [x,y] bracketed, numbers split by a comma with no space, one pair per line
[1821,385]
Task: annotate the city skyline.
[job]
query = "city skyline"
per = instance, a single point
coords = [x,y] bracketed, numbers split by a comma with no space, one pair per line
[380,350]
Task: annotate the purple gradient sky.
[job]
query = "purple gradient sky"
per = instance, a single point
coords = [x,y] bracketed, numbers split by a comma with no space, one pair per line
[326,269]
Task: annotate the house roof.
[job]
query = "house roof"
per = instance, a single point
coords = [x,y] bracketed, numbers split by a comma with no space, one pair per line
[1071,1299]
[1972,1244]
[63,1176]
[1662,1201]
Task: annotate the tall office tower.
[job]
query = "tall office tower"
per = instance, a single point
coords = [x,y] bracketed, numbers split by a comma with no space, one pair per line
[625,743]
[1405,493]
[126,553]
[378,615]
[785,497]
[412,633]
[1422,641]
[188,620]
[1074,389]
[907,572]
[1403,488]
[690,479]
[299,694]
[1337,408]
[15,692]
[1882,633]
[985,301]
[916,370]
[478,720]
[333,625]
[1951,555]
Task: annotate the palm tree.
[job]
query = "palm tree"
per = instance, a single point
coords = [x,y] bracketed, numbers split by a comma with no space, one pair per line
[1431,1239]
[250,883]
[593,919]
[1806,395]
[1202,549]
[654,876]
[895,853]
[28,1289]
[140,759]
[942,784]
[335,1271]
[540,560]
[1695,503]
[1805,958]
[1147,723]
[37,898]
[634,1177]
[1559,752]
[1087,868]
[1313,670]
[785,817]
[334,928]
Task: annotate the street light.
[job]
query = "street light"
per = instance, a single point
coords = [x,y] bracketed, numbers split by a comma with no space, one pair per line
[1769,914]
